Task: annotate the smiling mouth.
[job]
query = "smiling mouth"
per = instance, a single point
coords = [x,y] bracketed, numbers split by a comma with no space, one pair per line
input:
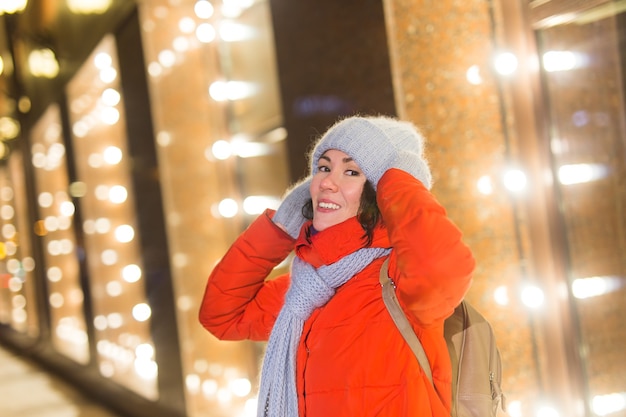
[330,206]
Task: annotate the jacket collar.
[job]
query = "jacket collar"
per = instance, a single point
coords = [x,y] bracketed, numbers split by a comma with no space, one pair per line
[332,244]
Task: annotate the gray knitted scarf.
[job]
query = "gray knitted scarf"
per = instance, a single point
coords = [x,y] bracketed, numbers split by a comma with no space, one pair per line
[309,289]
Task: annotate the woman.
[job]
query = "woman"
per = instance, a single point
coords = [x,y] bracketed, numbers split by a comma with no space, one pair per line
[333,348]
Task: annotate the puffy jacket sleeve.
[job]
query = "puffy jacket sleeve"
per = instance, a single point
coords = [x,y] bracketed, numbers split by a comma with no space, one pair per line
[430,265]
[239,303]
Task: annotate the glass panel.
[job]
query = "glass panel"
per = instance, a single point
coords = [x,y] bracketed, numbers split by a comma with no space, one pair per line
[222,160]
[55,226]
[18,304]
[583,76]
[104,189]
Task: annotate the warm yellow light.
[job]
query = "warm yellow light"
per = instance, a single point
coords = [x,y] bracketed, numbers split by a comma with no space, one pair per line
[56,300]
[221,149]
[109,115]
[7,212]
[15,284]
[186,25]
[4,151]
[112,155]
[12,6]
[9,128]
[234,32]
[108,75]
[124,233]
[109,257]
[203,9]
[595,286]
[228,208]
[54,274]
[505,63]
[131,273]
[144,351]
[103,60]
[234,8]
[181,44]
[10,249]
[142,312]
[501,295]
[250,407]
[581,173]
[6,193]
[101,191]
[43,63]
[102,225]
[241,387]
[554,61]
[39,228]
[28,264]
[88,6]
[78,189]
[111,97]
[209,387]
[118,194]
[245,149]
[115,320]
[515,180]
[608,404]
[473,75]
[24,104]
[167,58]
[192,382]
[8,231]
[13,266]
[67,208]
[114,288]
[231,90]
[205,32]
[514,408]
[533,297]
[100,322]
[45,199]
[548,411]
[256,204]
[146,368]
[18,315]
[485,185]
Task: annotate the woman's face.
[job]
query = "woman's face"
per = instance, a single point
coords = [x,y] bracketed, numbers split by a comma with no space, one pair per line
[336,189]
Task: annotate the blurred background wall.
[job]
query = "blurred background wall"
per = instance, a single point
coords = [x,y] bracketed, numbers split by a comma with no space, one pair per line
[139,138]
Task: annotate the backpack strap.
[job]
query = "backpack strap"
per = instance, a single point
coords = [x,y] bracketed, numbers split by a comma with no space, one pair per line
[402,323]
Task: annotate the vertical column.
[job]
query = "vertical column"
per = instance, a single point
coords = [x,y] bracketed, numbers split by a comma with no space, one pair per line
[333,61]
[150,217]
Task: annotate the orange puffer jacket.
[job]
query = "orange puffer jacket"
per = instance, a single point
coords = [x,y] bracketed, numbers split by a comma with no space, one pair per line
[352,360]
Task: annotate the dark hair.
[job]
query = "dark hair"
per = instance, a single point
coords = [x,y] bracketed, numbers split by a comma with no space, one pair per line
[368,214]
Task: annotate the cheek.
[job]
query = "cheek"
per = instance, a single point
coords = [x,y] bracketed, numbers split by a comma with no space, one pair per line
[315,184]
[354,198]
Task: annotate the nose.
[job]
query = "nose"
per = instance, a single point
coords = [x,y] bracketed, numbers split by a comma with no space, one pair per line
[329,182]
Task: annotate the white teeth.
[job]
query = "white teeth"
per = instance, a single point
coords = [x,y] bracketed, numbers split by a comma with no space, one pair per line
[329,206]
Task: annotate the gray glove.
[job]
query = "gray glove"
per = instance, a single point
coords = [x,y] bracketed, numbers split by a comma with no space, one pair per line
[289,213]
[414,165]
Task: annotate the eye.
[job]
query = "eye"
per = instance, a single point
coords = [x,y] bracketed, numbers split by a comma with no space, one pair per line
[323,168]
[352,173]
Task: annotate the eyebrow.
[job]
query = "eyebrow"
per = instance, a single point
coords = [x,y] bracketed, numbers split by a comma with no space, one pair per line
[344,160]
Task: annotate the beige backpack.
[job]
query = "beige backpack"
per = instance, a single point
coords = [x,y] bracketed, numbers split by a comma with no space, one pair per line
[476,363]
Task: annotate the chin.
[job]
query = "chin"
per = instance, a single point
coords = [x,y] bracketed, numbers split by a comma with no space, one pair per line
[319,226]
[323,225]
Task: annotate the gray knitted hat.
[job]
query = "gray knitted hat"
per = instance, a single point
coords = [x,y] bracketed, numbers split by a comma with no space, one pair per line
[376,144]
